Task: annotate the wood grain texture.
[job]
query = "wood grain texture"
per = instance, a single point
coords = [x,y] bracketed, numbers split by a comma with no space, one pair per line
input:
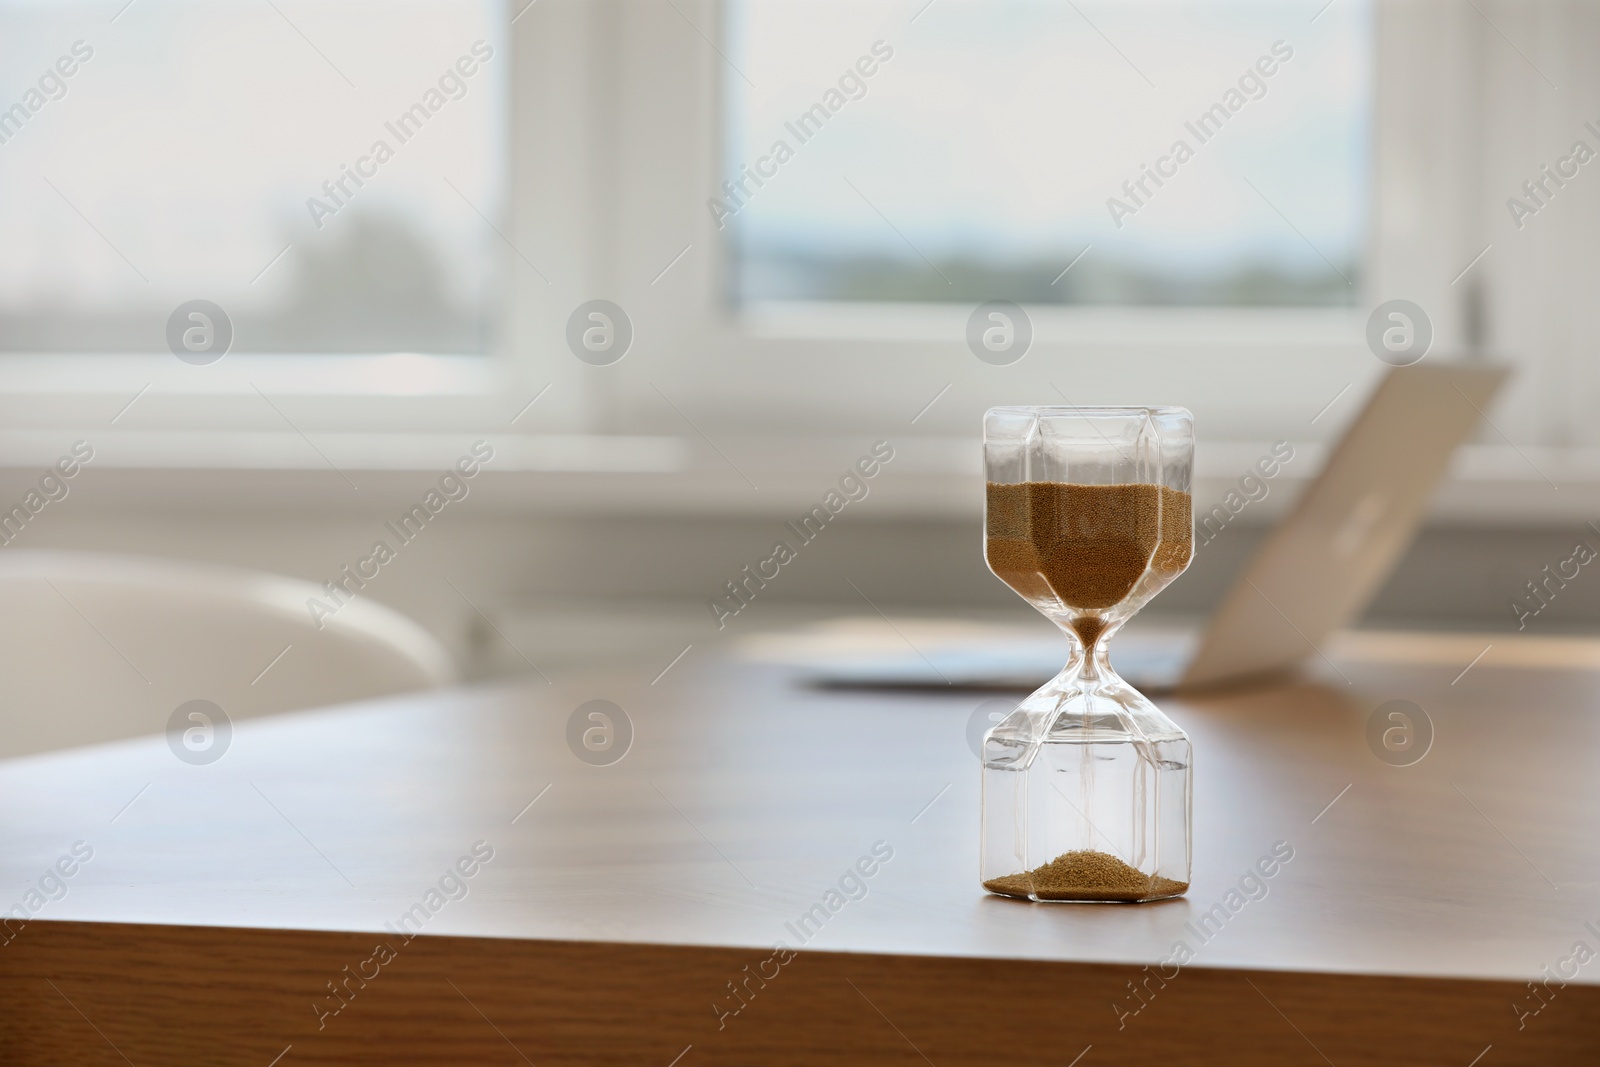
[221,900]
[87,994]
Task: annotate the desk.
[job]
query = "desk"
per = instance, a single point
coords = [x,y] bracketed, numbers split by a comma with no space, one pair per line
[623,904]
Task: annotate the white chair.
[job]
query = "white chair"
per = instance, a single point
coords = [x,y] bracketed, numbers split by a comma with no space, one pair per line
[95,648]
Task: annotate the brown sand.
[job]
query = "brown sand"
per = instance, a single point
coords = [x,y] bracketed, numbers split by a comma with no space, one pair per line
[1085,875]
[1088,628]
[1085,546]
[1176,546]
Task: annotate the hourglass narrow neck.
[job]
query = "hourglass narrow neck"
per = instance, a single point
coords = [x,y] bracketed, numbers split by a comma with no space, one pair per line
[1091,634]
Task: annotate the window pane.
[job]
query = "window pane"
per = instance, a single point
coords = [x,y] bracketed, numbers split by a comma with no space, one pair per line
[991,143]
[185,155]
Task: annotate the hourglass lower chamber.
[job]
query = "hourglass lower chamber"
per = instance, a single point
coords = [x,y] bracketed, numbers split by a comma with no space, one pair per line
[1086,784]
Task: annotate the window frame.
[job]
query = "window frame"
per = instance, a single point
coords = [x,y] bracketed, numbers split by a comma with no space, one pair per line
[381,391]
[657,48]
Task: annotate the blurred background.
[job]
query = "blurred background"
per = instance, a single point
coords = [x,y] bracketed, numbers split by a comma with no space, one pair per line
[773,312]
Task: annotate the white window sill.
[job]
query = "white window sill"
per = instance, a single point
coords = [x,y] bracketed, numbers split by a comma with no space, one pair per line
[934,477]
[350,452]
[395,374]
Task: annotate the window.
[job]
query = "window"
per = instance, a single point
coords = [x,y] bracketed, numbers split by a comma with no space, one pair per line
[1166,152]
[1375,165]
[330,174]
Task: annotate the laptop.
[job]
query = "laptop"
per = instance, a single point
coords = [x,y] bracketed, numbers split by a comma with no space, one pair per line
[1316,572]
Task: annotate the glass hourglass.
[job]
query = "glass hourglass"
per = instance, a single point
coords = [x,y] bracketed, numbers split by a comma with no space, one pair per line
[1086,784]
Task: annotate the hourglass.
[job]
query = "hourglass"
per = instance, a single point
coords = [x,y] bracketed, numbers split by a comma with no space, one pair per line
[1086,785]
